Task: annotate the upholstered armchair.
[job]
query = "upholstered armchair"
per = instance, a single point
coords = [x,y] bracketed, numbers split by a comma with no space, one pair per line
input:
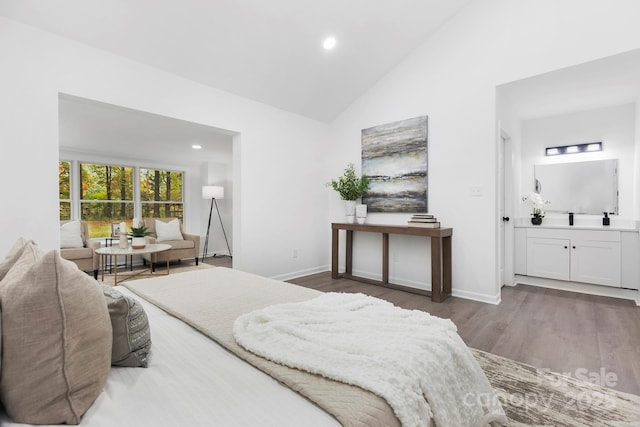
[187,247]
[82,253]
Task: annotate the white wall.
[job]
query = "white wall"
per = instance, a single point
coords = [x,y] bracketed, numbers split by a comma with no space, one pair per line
[613,126]
[280,168]
[452,78]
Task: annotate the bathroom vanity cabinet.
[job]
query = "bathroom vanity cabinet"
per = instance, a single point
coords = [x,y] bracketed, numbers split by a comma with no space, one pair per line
[594,256]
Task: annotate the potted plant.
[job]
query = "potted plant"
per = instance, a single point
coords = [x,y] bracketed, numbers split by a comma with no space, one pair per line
[350,187]
[537,203]
[138,235]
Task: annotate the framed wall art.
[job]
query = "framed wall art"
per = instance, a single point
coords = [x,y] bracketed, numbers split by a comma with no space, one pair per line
[394,158]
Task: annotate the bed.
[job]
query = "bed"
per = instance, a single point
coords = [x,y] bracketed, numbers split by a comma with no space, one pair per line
[194,380]
[199,382]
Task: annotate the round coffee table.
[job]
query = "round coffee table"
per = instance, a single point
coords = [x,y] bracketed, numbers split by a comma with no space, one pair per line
[114,251]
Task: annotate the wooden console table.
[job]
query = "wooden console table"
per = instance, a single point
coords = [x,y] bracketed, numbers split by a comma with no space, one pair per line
[440,256]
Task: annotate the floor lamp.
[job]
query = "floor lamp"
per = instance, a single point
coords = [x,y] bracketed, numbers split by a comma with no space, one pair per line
[213,192]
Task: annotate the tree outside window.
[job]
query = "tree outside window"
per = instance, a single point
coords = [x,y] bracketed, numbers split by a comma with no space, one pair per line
[64,186]
[106,196]
[161,194]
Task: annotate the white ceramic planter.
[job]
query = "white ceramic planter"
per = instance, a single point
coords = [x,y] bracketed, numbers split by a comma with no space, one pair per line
[138,242]
[350,210]
[361,213]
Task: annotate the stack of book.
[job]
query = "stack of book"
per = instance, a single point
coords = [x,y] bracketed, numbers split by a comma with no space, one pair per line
[424,221]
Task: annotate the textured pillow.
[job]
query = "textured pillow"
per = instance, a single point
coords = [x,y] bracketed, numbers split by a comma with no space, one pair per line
[21,246]
[71,235]
[168,230]
[56,340]
[131,333]
[14,254]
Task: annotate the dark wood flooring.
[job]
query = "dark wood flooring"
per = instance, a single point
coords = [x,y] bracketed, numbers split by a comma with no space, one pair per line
[583,336]
[220,261]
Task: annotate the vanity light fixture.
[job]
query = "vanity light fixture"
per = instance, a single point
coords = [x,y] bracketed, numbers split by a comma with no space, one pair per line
[575,148]
[196,146]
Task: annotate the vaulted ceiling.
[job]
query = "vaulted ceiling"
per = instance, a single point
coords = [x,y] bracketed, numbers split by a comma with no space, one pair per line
[268,51]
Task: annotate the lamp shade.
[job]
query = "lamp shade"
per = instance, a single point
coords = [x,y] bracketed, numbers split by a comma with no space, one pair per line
[212,192]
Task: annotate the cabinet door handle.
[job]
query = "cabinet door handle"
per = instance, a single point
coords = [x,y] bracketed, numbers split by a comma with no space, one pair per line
[566,247]
[573,247]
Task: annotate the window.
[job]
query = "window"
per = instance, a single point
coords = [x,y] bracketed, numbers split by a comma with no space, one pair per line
[106,196]
[64,185]
[161,193]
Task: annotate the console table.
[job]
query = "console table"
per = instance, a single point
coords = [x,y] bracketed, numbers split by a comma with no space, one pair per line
[440,256]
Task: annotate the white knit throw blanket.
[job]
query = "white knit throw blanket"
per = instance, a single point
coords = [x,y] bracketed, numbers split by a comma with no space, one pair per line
[402,355]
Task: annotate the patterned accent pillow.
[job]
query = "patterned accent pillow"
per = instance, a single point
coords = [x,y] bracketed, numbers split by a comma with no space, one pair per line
[131,333]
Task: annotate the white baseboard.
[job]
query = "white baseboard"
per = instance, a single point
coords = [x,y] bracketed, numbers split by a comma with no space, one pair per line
[211,254]
[489,299]
[302,273]
[474,296]
[585,288]
[394,280]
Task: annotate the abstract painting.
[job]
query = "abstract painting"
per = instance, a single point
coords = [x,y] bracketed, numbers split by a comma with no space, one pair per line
[394,157]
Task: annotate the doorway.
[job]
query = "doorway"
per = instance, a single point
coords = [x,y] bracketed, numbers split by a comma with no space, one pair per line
[505,211]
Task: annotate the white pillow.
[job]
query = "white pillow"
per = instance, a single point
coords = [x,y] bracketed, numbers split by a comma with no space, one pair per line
[71,235]
[168,230]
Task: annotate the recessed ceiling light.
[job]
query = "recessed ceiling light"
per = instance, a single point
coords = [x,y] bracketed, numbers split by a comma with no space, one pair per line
[196,146]
[329,43]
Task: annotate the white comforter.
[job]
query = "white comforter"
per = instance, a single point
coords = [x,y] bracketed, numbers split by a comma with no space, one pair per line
[402,355]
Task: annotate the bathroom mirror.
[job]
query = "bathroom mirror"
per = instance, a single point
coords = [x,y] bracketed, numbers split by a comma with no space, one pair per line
[580,187]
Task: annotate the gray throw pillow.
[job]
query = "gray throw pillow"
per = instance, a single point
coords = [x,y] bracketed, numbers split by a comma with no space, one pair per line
[131,333]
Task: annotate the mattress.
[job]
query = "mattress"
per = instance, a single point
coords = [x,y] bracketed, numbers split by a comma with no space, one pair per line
[193,381]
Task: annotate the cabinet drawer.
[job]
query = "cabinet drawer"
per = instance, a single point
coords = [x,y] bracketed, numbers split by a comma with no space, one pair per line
[578,234]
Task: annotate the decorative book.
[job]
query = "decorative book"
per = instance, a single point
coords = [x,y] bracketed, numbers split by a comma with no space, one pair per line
[424,221]
[424,224]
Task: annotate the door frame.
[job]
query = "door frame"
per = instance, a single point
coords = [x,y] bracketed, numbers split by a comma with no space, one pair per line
[505,208]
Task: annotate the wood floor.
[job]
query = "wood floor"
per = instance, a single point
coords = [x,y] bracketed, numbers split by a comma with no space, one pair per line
[583,336]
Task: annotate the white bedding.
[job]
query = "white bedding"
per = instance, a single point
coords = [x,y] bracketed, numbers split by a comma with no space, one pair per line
[416,362]
[192,381]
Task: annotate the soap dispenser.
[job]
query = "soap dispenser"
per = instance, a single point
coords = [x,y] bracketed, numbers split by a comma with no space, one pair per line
[570,218]
[606,220]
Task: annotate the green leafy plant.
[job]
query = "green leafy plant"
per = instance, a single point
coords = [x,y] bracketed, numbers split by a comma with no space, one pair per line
[349,185]
[139,231]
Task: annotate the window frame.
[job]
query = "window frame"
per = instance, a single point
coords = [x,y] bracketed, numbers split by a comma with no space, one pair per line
[76,201]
